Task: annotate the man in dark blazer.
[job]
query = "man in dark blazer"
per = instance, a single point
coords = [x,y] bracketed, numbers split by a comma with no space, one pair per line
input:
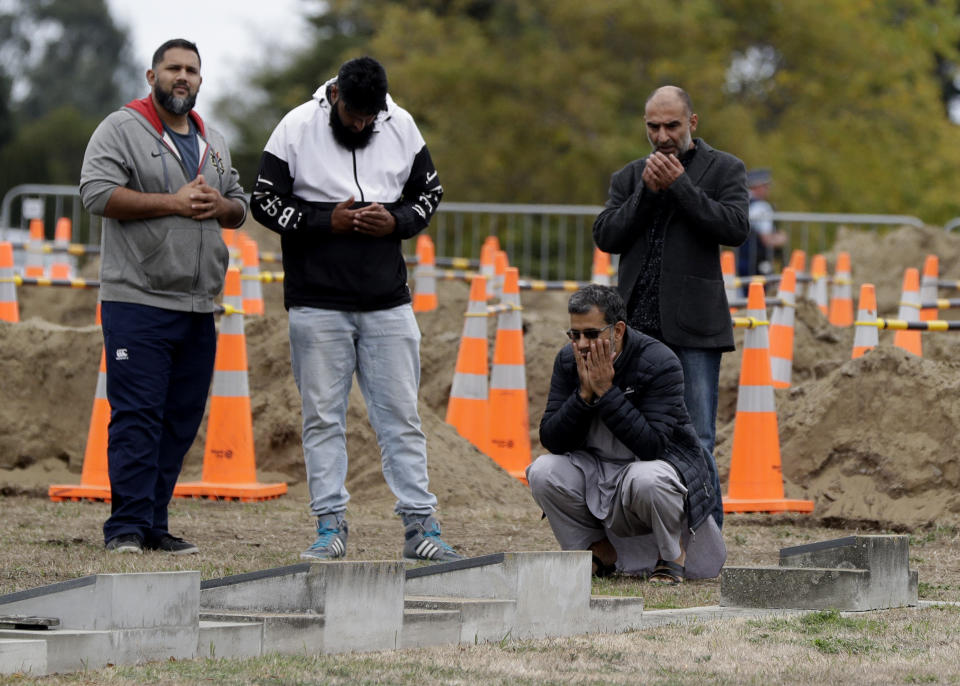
[667,216]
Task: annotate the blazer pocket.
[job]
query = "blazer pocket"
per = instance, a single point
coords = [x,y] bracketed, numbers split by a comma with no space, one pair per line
[703,306]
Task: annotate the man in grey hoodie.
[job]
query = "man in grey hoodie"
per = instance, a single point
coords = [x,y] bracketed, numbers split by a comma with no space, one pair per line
[164,184]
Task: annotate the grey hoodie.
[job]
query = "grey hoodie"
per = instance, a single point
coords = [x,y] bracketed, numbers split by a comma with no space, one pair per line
[173,262]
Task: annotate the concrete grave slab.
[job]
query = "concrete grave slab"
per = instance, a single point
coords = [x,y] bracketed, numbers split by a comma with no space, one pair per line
[855,573]
[609,614]
[362,602]
[280,589]
[289,633]
[550,592]
[69,650]
[113,601]
[74,650]
[426,627]
[479,619]
[230,639]
[133,646]
[23,656]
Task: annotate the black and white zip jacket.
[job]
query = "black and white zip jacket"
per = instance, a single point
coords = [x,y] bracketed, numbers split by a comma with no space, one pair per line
[304,173]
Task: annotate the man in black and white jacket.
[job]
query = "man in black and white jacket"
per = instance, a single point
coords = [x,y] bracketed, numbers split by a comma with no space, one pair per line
[344,179]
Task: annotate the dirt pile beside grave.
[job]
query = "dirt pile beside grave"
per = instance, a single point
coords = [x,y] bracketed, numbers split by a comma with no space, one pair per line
[868,440]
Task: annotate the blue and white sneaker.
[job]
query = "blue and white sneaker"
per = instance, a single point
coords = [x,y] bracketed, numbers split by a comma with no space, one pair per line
[423,542]
[331,543]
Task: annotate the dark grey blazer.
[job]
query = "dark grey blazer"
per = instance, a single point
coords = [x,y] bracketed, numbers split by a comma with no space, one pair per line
[707,207]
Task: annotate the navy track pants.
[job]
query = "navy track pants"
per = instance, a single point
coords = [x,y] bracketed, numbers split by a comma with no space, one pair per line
[159,367]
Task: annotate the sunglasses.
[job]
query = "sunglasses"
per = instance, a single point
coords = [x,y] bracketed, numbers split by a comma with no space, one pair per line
[589,334]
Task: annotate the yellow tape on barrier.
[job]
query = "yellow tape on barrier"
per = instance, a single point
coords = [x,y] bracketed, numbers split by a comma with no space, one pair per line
[748,322]
[903,325]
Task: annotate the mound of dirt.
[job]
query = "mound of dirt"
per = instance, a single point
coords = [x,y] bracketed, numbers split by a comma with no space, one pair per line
[869,440]
[881,259]
[876,439]
[49,375]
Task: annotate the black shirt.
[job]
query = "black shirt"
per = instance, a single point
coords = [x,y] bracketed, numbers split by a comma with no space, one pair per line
[644,305]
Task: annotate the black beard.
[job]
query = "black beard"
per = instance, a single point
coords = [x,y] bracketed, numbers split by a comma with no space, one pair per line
[348,138]
[172,104]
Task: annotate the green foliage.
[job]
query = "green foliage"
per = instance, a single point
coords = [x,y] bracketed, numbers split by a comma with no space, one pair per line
[832,645]
[48,150]
[541,100]
[6,116]
[340,35]
[64,65]
[66,52]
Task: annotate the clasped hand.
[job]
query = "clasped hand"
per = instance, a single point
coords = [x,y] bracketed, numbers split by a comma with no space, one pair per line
[372,220]
[595,368]
[660,171]
[198,200]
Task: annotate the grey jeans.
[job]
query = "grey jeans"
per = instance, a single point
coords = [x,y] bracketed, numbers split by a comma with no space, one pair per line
[382,347]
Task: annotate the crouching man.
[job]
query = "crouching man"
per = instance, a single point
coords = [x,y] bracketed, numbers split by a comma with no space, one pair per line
[627,478]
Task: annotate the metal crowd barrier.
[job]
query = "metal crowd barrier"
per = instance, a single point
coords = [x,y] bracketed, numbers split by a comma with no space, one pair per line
[48,202]
[552,242]
[545,242]
[555,242]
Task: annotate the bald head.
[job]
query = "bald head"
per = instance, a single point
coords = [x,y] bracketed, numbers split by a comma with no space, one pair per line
[672,94]
[670,121]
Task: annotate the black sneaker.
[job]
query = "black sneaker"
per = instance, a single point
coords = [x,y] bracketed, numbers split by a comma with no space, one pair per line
[125,543]
[173,545]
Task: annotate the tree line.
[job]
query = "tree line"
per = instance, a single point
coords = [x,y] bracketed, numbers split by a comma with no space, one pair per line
[539,101]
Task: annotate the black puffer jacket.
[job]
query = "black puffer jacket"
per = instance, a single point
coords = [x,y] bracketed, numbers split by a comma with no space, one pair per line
[644,409]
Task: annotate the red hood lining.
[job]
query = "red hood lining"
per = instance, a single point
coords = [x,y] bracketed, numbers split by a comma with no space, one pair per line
[146,107]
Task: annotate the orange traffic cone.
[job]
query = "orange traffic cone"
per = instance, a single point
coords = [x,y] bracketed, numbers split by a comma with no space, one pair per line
[841,298]
[500,264]
[728,265]
[487,267]
[866,337]
[230,238]
[250,276]
[94,478]
[818,283]
[425,276]
[756,479]
[509,410]
[781,331]
[60,271]
[909,311]
[61,266]
[928,287]
[34,263]
[798,261]
[9,309]
[601,267]
[468,410]
[229,464]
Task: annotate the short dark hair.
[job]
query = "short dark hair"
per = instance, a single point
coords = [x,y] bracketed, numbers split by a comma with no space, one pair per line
[362,83]
[173,43]
[604,298]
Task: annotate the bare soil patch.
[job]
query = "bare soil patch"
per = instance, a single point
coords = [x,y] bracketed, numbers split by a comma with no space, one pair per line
[873,441]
